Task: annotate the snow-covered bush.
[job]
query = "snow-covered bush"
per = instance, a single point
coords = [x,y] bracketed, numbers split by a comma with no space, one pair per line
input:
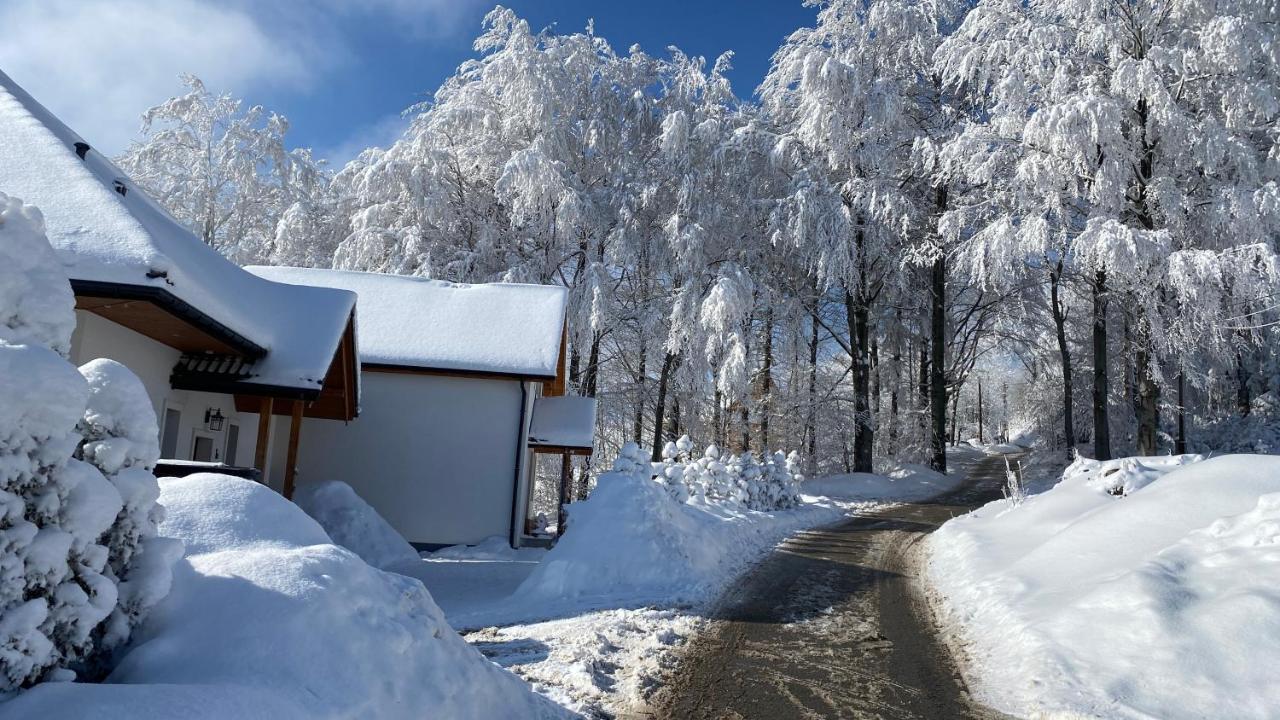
[732,480]
[1123,476]
[1257,432]
[80,563]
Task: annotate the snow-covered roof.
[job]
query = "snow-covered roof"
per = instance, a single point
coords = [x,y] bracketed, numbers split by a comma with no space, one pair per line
[412,322]
[104,236]
[566,422]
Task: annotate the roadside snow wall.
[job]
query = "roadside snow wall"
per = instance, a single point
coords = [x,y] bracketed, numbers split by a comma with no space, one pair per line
[634,539]
[1135,588]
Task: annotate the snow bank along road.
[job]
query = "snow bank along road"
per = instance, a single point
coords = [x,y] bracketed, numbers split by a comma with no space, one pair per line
[832,625]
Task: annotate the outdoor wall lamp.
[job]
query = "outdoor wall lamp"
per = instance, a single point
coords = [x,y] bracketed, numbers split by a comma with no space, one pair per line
[213,418]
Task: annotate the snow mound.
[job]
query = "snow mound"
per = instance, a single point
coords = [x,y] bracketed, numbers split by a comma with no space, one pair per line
[632,540]
[1148,592]
[267,619]
[900,482]
[1124,475]
[496,547]
[354,524]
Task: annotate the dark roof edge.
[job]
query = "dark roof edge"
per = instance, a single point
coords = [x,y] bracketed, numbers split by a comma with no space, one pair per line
[241,387]
[434,370]
[175,305]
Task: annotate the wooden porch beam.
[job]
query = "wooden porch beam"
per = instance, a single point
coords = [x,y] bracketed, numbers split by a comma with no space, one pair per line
[291,459]
[261,454]
[565,465]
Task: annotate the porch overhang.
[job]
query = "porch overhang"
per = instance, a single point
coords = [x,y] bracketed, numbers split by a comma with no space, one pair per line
[162,316]
[563,425]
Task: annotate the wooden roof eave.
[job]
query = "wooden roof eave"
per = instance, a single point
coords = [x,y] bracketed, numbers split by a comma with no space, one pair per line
[560,449]
[162,316]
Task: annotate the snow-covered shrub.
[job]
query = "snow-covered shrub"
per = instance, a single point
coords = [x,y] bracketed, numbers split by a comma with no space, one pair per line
[80,563]
[630,460]
[733,480]
[1123,476]
[1257,432]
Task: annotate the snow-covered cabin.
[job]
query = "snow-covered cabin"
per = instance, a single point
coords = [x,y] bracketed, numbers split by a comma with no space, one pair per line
[221,351]
[460,386]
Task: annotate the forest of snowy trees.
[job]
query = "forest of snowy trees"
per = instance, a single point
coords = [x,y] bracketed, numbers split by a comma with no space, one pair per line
[1070,209]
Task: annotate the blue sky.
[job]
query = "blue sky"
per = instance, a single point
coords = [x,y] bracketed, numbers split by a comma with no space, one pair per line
[341,70]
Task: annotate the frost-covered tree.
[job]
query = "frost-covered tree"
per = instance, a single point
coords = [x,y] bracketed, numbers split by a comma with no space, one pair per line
[1136,141]
[223,170]
[80,562]
[856,90]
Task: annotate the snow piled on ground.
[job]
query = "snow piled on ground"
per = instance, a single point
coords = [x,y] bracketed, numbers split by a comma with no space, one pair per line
[1134,588]
[354,524]
[905,482]
[902,482]
[268,619]
[631,540]
[592,622]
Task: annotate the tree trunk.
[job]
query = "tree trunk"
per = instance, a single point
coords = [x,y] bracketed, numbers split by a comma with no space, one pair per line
[922,392]
[811,417]
[1180,446]
[1148,392]
[875,373]
[766,383]
[981,438]
[673,419]
[659,410]
[955,417]
[717,419]
[1101,420]
[897,382]
[1064,353]
[863,436]
[642,373]
[1243,402]
[937,361]
[592,374]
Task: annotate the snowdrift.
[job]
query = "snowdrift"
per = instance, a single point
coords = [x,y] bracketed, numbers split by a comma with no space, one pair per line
[632,540]
[268,619]
[902,482]
[1142,587]
[354,524]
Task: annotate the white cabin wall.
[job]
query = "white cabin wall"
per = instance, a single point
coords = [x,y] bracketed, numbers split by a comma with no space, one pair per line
[437,456]
[97,337]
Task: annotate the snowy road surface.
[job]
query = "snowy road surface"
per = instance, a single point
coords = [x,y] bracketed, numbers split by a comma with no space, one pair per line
[832,625]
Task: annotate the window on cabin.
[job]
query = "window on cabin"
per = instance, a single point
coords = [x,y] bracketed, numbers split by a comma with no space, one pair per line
[169,438]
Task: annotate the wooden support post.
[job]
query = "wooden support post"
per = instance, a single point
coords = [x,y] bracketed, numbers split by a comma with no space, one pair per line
[565,465]
[261,456]
[291,459]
